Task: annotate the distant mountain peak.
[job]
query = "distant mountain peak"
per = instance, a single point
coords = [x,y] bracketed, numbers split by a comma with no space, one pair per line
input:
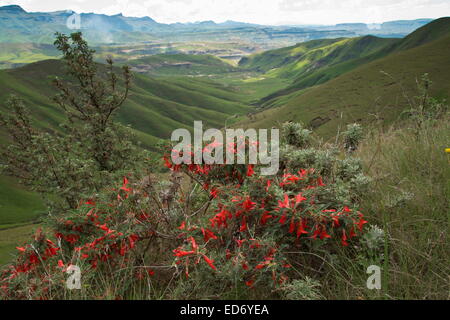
[12,8]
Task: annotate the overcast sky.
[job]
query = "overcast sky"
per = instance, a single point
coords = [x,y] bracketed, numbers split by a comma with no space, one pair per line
[254,11]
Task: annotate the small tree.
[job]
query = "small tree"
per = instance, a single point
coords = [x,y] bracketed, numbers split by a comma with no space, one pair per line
[91,150]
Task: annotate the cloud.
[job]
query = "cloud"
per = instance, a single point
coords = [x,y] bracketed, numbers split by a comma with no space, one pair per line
[255,11]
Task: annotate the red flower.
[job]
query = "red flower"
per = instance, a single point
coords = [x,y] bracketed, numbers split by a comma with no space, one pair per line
[285,203]
[214,193]
[132,239]
[292,226]
[324,234]
[209,262]
[21,249]
[299,198]
[90,202]
[250,170]
[243,225]
[344,239]
[248,204]
[361,222]
[180,253]
[266,216]
[301,229]
[320,182]
[125,184]
[283,219]
[269,182]
[193,244]
[240,242]
[207,234]
[167,163]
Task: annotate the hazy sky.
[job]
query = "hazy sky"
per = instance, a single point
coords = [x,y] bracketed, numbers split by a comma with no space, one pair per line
[255,11]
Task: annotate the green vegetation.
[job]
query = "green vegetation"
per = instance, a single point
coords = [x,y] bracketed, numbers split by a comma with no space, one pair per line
[376,90]
[17,54]
[180,64]
[389,163]
[10,238]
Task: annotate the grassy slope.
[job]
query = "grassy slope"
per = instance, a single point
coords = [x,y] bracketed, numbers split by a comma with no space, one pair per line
[16,54]
[310,57]
[410,199]
[317,62]
[11,238]
[365,91]
[155,107]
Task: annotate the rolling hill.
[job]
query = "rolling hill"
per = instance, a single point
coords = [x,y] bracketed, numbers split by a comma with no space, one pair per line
[154,108]
[377,89]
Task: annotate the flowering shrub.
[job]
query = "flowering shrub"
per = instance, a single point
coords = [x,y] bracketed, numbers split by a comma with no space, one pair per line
[221,221]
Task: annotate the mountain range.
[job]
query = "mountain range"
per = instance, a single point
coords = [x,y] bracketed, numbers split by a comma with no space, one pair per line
[39,27]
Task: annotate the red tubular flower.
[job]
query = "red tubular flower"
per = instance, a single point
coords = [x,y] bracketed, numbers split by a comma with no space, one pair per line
[301,229]
[193,244]
[344,239]
[243,225]
[90,202]
[285,203]
[180,253]
[182,226]
[132,239]
[361,222]
[292,225]
[209,262]
[208,234]
[214,193]
[125,184]
[324,234]
[283,219]
[269,182]
[261,265]
[250,170]
[302,173]
[240,242]
[299,198]
[320,182]
[266,216]
[248,204]
[167,163]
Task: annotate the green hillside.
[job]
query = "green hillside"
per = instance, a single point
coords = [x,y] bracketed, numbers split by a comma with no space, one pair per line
[293,62]
[316,62]
[365,93]
[17,54]
[430,32]
[154,108]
